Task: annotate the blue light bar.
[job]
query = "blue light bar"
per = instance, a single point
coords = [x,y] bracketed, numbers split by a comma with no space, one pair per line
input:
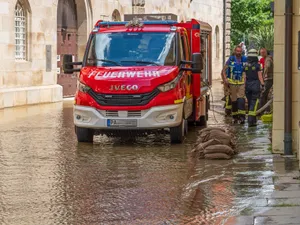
[153,22]
[114,23]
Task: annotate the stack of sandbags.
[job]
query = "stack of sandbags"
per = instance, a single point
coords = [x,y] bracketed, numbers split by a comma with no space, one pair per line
[215,143]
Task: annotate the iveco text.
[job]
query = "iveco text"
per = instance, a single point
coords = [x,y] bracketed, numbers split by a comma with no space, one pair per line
[124,87]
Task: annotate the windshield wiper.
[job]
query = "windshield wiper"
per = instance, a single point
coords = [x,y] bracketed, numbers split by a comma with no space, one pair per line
[143,62]
[105,60]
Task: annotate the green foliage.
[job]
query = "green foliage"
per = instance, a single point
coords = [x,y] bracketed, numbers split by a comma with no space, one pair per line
[248,17]
[264,37]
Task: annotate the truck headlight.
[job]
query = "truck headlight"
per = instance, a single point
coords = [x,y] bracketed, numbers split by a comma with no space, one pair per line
[82,87]
[170,85]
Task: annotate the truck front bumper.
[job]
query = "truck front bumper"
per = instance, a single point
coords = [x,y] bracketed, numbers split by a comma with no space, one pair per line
[153,118]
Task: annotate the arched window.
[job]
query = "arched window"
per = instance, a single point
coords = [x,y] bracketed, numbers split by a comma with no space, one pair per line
[116,15]
[20,32]
[217,33]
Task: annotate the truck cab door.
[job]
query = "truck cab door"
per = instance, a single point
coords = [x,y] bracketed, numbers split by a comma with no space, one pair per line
[188,105]
[205,51]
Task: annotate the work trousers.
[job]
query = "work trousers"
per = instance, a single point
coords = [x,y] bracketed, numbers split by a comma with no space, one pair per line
[265,94]
[228,105]
[252,94]
[237,95]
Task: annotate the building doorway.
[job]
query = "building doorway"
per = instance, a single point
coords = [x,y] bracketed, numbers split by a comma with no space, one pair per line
[71,39]
[116,16]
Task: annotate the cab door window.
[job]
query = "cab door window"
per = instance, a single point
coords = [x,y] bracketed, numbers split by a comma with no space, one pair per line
[205,56]
[181,50]
[186,47]
[186,54]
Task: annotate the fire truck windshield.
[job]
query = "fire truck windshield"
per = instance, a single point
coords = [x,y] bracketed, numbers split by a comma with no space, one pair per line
[132,49]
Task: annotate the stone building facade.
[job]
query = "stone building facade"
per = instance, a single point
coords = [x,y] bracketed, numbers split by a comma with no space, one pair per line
[33,35]
[279,78]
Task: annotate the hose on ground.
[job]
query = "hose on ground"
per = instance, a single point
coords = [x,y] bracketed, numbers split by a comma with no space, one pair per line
[206,84]
[263,109]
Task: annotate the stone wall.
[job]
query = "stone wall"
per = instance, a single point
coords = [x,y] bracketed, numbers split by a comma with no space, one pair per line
[227,29]
[212,13]
[28,82]
[278,114]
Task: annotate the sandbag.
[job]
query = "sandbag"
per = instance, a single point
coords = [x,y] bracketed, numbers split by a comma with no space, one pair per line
[197,155]
[206,132]
[233,144]
[203,138]
[211,143]
[217,133]
[199,140]
[203,135]
[200,155]
[217,156]
[224,138]
[219,149]
[208,129]
[215,143]
[203,146]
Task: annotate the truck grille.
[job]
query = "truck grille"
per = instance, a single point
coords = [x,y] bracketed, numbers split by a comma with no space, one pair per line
[123,99]
[110,113]
[134,114]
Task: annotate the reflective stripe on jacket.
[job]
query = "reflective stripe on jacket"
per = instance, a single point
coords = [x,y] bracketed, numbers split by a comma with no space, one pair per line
[235,70]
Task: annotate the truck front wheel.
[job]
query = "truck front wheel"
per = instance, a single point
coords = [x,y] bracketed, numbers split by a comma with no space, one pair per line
[202,122]
[177,133]
[84,134]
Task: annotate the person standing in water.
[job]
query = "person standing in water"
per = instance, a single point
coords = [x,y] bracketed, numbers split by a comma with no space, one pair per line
[234,79]
[254,83]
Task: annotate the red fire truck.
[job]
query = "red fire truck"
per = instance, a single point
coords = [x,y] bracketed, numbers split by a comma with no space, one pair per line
[143,76]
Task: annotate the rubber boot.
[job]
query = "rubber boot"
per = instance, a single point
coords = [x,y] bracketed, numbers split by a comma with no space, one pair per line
[241,110]
[234,112]
[252,121]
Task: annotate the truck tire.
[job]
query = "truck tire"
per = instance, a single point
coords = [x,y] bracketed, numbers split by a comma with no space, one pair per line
[186,127]
[202,121]
[84,134]
[177,133]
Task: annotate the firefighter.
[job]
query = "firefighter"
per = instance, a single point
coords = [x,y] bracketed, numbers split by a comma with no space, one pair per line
[267,76]
[226,98]
[233,77]
[227,105]
[254,82]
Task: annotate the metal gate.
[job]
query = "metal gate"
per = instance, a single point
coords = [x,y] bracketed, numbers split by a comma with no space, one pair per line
[66,44]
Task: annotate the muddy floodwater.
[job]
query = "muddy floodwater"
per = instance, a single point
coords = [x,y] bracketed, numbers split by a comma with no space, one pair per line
[46,177]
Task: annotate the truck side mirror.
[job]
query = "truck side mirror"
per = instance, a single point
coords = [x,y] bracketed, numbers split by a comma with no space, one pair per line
[197,63]
[68,64]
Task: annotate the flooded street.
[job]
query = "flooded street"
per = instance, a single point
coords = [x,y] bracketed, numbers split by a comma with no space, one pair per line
[46,177]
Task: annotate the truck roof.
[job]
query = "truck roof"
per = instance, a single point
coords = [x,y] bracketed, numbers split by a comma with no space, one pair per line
[144,26]
[147,26]
[116,29]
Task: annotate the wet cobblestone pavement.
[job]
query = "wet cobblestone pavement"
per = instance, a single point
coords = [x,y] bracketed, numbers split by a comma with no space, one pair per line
[47,178]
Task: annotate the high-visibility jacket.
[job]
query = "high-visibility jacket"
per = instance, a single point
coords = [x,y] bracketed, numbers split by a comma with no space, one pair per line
[235,70]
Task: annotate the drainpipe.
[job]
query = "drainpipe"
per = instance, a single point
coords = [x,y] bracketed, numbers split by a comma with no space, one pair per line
[224,32]
[288,78]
